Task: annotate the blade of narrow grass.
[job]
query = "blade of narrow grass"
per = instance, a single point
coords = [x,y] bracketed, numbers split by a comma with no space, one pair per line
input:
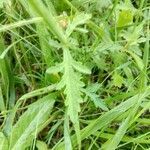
[3,54]
[2,103]
[39,8]
[11,26]
[115,140]
[4,70]
[145,58]
[38,92]
[107,118]
[144,138]
[112,114]
[143,120]
[126,139]
[46,49]
[51,7]
[29,123]
[44,38]
[8,88]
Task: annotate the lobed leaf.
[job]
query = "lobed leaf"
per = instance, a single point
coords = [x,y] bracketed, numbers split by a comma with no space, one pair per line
[55,69]
[79,67]
[79,19]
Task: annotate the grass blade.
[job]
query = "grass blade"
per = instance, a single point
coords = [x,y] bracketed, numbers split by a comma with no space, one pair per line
[27,126]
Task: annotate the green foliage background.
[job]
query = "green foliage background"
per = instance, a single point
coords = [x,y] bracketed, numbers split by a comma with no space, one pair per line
[74,74]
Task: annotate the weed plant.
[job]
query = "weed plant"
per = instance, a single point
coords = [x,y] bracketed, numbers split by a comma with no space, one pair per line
[74,74]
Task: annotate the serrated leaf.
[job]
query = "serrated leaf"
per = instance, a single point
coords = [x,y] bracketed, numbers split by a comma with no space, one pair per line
[79,19]
[73,95]
[27,126]
[55,69]
[96,100]
[79,67]
[117,80]
[125,18]
[72,89]
[71,82]
[132,35]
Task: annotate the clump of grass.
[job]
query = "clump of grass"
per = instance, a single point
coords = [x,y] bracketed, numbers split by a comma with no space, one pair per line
[74,74]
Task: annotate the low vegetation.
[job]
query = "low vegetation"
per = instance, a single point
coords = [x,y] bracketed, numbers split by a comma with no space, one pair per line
[74,74]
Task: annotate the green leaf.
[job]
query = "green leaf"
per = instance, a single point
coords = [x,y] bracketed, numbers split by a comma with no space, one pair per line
[27,126]
[107,118]
[40,9]
[68,145]
[54,44]
[117,80]
[112,143]
[133,35]
[71,82]
[41,145]
[3,142]
[137,59]
[101,4]
[2,104]
[2,3]
[73,85]
[79,67]
[96,100]
[125,18]
[55,69]
[15,25]
[81,30]
[38,92]
[79,19]
[73,90]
